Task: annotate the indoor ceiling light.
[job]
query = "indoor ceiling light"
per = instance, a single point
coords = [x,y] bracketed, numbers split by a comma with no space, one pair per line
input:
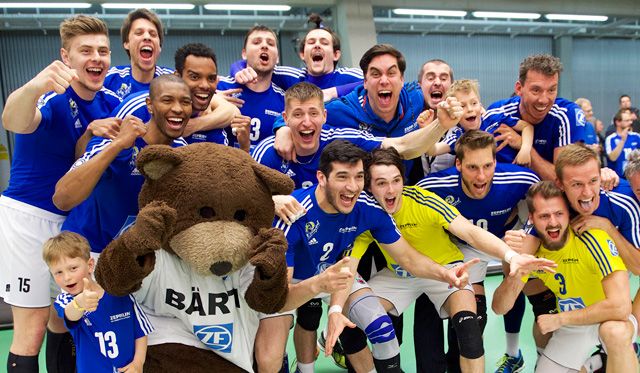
[430,12]
[146,5]
[46,5]
[575,17]
[506,15]
[249,7]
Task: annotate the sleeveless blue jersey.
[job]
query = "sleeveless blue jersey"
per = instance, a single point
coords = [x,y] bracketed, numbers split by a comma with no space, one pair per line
[563,125]
[135,104]
[491,213]
[120,80]
[105,338]
[41,158]
[318,239]
[303,172]
[262,107]
[113,203]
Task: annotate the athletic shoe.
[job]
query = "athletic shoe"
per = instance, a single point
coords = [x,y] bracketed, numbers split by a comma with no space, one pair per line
[338,355]
[510,364]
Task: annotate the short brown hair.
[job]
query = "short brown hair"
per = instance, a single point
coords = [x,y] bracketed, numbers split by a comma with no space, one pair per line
[543,63]
[384,157]
[81,25]
[66,244]
[303,92]
[547,189]
[436,61]
[141,13]
[473,140]
[256,29]
[633,164]
[380,50]
[574,155]
[618,116]
[464,86]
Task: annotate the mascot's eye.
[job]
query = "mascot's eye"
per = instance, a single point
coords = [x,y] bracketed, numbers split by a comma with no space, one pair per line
[207,212]
[240,215]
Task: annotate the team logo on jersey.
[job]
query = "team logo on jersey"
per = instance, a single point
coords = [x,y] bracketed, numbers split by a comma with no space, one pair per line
[313,241]
[77,124]
[401,272]
[217,337]
[347,229]
[411,128]
[134,156]
[124,90]
[73,107]
[570,304]
[271,112]
[580,118]
[612,248]
[452,200]
[321,267]
[541,141]
[364,127]
[284,166]
[311,228]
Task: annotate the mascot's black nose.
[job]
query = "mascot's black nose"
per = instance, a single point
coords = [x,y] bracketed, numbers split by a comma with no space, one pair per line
[220,268]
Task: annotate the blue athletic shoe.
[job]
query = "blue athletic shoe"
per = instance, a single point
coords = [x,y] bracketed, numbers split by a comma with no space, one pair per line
[510,364]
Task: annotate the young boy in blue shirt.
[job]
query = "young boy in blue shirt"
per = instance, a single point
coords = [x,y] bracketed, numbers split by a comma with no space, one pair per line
[110,333]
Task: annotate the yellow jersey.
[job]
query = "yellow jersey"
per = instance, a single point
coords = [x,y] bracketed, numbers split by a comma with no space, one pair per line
[582,264]
[423,220]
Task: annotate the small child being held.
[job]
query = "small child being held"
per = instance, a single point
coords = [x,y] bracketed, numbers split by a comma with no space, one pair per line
[467,93]
[109,332]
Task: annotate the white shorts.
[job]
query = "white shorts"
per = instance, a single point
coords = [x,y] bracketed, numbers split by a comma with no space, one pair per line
[571,346]
[478,271]
[402,291]
[25,278]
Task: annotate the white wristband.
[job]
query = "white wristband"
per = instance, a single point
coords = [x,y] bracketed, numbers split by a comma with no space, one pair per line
[335,308]
[510,254]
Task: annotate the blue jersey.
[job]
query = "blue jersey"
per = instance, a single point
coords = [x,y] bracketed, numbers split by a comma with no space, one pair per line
[105,338]
[120,80]
[262,107]
[113,203]
[623,211]
[354,111]
[285,76]
[303,172]
[509,186]
[590,135]
[135,104]
[318,239]
[41,158]
[563,125]
[632,143]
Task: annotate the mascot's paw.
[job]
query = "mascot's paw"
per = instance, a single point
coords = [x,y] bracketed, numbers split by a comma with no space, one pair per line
[268,248]
[155,224]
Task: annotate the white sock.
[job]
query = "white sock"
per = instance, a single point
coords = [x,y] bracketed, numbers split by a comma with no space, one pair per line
[513,344]
[593,363]
[306,368]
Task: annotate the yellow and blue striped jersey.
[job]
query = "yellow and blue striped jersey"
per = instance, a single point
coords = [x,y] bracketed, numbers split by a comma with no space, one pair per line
[422,219]
[582,264]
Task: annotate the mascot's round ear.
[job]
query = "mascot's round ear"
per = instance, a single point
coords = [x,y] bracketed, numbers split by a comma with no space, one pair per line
[155,161]
[277,182]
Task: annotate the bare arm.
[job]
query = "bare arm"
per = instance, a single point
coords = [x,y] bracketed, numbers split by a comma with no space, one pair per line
[219,115]
[615,153]
[136,365]
[333,280]
[77,184]
[615,306]
[505,295]
[419,265]
[20,114]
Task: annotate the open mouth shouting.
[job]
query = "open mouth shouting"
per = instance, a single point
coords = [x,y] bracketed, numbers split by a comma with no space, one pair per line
[307,135]
[347,200]
[385,98]
[94,72]
[175,123]
[72,288]
[436,96]
[390,203]
[264,58]
[553,232]
[317,56]
[586,204]
[146,52]
[201,100]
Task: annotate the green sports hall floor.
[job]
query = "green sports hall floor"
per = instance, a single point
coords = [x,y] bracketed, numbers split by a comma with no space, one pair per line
[493,340]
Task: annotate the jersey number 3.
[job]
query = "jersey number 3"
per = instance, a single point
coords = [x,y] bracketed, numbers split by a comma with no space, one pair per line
[562,285]
[108,346]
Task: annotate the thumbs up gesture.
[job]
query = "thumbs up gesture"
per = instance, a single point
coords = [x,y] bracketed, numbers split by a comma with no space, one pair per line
[89,297]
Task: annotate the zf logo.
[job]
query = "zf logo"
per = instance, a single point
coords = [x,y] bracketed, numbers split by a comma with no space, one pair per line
[217,337]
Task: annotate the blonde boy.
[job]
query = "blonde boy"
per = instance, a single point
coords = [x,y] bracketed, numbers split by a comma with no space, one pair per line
[110,333]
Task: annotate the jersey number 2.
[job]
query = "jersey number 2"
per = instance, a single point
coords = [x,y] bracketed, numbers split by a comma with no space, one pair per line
[108,346]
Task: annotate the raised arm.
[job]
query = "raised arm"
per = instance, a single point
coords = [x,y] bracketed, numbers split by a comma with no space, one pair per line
[219,115]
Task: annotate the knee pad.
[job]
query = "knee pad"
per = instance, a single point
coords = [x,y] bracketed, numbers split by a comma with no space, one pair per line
[543,303]
[469,336]
[481,308]
[309,315]
[369,315]
[353,340]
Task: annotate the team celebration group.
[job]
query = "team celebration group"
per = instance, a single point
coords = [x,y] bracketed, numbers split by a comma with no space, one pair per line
[405,191]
